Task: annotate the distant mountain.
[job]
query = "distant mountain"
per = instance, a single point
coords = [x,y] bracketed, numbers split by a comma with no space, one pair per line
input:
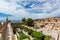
[10,20]
[15,20]
[2,20]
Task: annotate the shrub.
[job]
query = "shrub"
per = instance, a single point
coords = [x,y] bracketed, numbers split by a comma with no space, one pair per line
[36,35]
[23,36]
[24,20]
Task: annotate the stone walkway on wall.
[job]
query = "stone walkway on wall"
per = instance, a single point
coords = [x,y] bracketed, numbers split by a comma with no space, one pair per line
[31,38]
[53,33]
[10,35]
[59,36]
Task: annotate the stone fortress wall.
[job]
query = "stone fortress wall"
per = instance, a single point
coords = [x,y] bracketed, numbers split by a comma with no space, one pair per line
[54,22]
[3,31]
[50,26]
[6,32]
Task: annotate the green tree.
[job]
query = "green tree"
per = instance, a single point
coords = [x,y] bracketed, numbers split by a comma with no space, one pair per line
[29,22]
[24,20]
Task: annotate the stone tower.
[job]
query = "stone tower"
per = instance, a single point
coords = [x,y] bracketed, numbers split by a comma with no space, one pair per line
[7,20]
[9,30]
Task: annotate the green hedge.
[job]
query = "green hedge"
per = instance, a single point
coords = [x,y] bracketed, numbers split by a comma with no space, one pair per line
[23,36]
[35,35]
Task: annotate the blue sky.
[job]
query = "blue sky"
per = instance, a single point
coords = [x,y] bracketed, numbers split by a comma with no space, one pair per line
[36,9]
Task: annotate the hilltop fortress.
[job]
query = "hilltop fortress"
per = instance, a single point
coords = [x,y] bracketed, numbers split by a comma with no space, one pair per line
[54,22]
[49,26]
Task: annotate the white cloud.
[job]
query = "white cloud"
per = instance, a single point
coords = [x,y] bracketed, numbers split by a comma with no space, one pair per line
[18,11]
